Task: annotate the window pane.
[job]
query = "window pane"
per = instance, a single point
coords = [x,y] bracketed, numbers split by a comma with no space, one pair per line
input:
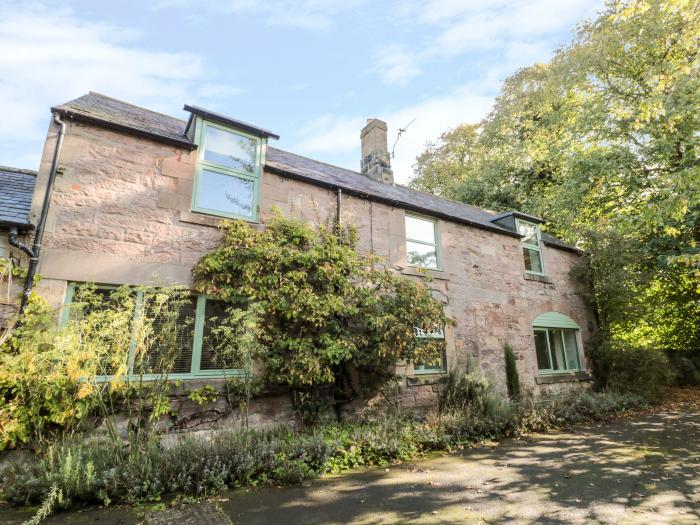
[229,149]
[533,260]
[437,366]
[225,193]
[91,307]
[421,255]
[556,347]
[529,232]
[541,350]
[213,349]
[571,342]
[173,338]
[420,229]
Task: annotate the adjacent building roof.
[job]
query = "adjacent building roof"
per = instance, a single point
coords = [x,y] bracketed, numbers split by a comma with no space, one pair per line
[102,110]
[16,190]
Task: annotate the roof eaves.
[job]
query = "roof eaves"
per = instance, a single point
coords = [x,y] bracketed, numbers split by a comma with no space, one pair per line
[8,169]
[385,200]
[25,226]
[222,119]
[81,117]
[519,214]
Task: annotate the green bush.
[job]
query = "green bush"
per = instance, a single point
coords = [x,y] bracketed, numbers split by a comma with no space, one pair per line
[685,367]
[641,371]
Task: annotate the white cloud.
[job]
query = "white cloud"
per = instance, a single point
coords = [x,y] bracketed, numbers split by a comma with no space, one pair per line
[303,14]
[50,56]
[330,134]
[396,65]
[496,27]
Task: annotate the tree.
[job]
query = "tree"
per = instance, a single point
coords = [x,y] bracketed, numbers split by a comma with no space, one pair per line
[604,143]
[333,322]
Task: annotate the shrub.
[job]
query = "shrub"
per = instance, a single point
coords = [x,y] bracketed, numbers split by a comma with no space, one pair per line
[638,370]
[72,473]
[512,378]
[685,367]
[336,321]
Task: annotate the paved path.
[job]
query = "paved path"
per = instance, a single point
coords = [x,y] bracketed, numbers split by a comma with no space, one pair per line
[641,470]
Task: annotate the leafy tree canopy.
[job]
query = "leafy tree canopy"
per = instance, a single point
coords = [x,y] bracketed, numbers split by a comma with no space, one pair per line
[604,143]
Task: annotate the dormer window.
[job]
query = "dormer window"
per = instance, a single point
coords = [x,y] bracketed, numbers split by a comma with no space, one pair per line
[228,172]
[532,246]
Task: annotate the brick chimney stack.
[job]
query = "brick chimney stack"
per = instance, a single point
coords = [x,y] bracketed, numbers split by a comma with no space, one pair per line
[375,155]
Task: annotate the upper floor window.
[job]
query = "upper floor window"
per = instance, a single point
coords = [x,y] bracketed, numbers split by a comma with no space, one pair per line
[532,246]
[228,172]
[421,242]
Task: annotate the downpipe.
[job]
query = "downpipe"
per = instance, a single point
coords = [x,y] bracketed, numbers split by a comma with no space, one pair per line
[34,251]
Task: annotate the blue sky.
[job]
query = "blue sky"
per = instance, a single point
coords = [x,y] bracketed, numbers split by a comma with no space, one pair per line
[310,70]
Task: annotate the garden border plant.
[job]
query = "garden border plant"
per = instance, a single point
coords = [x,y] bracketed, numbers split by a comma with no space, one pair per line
[87,472]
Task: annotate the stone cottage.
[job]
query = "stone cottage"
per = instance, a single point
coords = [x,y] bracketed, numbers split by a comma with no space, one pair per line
[138,196]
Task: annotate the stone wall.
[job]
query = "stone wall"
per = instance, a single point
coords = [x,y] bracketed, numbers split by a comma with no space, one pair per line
[120,213]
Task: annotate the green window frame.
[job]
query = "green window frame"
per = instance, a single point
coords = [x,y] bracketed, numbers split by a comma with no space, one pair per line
[557,349]
[211,166]
[431,368]
[415,242]
[197,340]
[531,249]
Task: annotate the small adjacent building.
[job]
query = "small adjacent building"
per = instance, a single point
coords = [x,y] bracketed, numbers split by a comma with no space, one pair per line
[139,195]
[16,190]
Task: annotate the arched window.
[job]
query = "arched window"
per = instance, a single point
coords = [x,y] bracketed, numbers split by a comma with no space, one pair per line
[556,343]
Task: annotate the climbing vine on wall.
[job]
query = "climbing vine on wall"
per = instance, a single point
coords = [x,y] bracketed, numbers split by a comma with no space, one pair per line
[334,322]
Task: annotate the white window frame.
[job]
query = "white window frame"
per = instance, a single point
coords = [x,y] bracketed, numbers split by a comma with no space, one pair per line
[435,244]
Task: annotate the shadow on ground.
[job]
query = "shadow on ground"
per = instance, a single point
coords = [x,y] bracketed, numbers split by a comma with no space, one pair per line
[636,471]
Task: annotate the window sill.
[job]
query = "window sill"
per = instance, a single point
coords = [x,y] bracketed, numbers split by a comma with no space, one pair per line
[562,377]
[539,278]
[426,378]
[435,273]
[429,372]
[204,219]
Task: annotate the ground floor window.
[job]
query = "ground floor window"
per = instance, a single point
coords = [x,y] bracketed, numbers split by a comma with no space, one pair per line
[556,343]
[557,349]
[182,341]
[439,366]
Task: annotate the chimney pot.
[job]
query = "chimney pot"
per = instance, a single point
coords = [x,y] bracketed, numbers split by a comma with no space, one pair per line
[375,162]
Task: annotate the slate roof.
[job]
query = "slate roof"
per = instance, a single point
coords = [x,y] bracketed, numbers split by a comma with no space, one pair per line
[16,189]
[113,113]
[102,110]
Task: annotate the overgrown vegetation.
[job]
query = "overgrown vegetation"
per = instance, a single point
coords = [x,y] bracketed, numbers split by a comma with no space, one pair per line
[603,143]
[512,378]
[336,321]
[94,471]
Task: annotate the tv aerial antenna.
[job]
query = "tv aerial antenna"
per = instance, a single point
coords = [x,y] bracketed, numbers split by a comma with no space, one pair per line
[398,136]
